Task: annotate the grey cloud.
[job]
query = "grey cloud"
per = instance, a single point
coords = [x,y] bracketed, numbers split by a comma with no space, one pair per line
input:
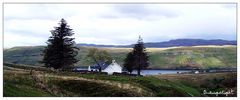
[140,11]
[29,33]
[30,18]
[231,36]
[39,11]
[131,9]
[108,16]
[121,23]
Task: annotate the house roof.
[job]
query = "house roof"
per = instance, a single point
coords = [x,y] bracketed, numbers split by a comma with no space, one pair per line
[103,65]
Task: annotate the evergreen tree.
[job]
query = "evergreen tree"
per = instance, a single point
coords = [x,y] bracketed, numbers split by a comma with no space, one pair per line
[60,51]
[138,58]
[129,62]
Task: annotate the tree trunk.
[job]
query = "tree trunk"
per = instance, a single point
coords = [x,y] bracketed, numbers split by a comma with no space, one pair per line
[139,71]
[100,69]
[139,65]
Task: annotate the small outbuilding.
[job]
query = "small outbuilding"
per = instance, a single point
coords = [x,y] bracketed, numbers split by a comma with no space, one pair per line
[196,72]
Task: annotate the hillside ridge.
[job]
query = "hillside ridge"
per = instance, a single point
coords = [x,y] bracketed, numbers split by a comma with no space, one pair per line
[171,43]
[160,58]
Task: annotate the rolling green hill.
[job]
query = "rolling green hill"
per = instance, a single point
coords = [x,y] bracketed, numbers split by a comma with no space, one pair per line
[174,57]
[20,81]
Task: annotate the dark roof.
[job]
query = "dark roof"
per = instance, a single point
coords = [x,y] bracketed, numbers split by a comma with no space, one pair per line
[102,64]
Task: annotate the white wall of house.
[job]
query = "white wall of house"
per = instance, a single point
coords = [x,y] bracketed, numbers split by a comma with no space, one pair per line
[113,67]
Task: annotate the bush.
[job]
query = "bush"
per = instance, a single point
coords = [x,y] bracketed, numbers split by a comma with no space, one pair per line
[124,74]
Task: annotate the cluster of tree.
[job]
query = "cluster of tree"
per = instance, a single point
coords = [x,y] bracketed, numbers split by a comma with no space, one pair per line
[61,52]
[99,56]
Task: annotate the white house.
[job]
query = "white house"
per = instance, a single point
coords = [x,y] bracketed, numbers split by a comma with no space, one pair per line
[113,67]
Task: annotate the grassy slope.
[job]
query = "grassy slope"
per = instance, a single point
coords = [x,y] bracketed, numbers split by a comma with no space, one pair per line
[209,82]
[200,56]
[23,55]
[19,82]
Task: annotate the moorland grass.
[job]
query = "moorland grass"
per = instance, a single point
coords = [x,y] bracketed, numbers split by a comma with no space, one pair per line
[22,83]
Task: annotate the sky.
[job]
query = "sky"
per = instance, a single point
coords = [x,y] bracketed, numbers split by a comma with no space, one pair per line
[118,24]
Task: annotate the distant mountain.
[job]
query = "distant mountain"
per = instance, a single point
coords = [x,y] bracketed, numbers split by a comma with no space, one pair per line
[190,42]
[96,45]
[171,43]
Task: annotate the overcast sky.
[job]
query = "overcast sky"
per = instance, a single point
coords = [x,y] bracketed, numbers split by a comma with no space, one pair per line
[119,24]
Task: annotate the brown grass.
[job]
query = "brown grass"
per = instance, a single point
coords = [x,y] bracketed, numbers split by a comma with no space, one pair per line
[161,49]
[196,79]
